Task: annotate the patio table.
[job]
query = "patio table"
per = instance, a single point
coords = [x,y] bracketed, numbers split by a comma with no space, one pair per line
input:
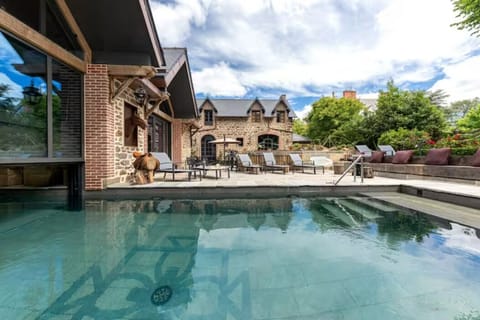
[216,168]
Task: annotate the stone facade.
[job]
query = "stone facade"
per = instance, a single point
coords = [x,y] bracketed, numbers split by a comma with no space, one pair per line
[246,128]
[123,154]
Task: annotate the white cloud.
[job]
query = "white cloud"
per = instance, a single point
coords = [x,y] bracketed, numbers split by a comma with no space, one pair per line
[301,114]
[302,47]
[461,80]
[15,90]
[218,80]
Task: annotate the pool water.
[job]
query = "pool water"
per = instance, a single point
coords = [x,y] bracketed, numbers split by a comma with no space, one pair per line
[291,258]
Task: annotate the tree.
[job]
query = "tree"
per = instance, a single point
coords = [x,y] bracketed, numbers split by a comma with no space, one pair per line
[459,109]
[468,11]
[471,121]
[409,110]
[332,121]
[300,127]
[437,97]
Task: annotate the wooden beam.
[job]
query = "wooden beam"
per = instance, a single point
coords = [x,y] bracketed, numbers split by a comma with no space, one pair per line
[164,115]
[171,107]
[131,71]
[153,92]
[20,30]
[150,111]
[125,84]
[72,23]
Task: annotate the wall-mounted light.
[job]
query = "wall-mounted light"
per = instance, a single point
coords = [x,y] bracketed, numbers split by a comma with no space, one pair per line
[31,94]
[140,95]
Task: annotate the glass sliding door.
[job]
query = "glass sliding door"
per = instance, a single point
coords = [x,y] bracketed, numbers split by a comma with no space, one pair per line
[159,135]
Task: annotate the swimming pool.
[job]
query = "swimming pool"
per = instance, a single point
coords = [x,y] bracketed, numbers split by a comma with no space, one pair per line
[289,258]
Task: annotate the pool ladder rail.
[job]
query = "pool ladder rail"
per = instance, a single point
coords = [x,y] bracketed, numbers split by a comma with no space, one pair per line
[352,165]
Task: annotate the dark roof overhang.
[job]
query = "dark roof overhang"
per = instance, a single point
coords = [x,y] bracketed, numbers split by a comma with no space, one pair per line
[119,32]
[177,81]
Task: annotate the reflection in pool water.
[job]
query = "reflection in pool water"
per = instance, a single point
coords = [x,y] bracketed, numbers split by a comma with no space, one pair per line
[315,258]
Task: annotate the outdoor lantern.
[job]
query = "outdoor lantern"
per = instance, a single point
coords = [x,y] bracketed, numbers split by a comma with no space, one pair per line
[140,95]
[31,94]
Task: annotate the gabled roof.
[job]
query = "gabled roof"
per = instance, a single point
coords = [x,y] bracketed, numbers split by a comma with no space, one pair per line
[241,107]
[177,80]
[256,101]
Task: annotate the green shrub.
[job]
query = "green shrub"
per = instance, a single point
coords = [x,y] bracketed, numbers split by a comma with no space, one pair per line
[405,139]
[464,151]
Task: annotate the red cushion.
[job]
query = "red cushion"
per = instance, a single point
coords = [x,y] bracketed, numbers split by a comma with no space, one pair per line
[377,157]
[438,156]
[402,157]
[476,159]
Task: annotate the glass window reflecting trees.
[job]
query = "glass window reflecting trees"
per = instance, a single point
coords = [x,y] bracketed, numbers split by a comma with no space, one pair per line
[40,104]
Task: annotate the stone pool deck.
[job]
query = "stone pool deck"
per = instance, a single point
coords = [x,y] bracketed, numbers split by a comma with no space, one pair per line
[319,183]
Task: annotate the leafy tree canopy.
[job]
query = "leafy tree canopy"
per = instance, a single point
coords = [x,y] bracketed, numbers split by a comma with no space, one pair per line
[468,11]
[459,109]
[471,121]
[397,108]
[332,121]
[300,127]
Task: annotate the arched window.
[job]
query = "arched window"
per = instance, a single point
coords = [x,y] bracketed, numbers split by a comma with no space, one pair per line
[268,142]
[209,150]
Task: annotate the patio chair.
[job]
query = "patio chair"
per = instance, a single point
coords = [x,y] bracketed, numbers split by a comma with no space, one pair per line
[167,166]
[364,150]
[297,162]
[271,164]
[321,161]
[245,163]
[387,150]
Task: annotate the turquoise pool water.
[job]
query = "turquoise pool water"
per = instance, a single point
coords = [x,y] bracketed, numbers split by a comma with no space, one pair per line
[301,258]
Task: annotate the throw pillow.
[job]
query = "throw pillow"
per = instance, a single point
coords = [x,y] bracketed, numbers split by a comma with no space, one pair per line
[438,156]
[402,157]
[377,157]
[476,159]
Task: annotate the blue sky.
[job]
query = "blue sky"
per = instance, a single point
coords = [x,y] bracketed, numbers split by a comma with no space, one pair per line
[310,48]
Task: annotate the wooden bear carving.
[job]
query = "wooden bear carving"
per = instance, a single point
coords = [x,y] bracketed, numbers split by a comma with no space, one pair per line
[145,166]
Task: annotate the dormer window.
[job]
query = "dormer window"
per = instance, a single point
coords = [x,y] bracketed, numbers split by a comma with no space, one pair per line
[208,117]
[280,116]
[256,116]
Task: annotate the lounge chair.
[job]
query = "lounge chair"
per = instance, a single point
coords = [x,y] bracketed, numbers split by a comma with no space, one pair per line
[167,166]
[297,162]
[271,164]
[323,162]
[245,163]
[364,150]
[387,150]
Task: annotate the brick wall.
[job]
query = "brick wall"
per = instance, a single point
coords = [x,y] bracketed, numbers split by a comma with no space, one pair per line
[99,128]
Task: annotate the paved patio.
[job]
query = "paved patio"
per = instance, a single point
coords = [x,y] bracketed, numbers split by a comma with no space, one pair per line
[297,179]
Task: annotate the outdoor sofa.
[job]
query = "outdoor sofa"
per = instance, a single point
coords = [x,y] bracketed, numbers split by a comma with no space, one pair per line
[458,168]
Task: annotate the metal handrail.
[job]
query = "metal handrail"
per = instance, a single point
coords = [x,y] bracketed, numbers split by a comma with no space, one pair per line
[359,159]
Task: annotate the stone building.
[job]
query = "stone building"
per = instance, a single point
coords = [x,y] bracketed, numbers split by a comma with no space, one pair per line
[257,124]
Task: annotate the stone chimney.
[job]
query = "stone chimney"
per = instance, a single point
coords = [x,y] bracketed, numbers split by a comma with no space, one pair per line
[350,94]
